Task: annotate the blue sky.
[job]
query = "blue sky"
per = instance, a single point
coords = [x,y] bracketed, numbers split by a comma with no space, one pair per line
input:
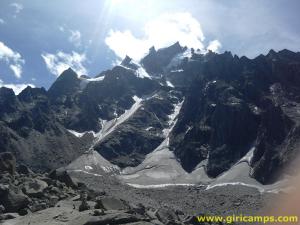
[39,39]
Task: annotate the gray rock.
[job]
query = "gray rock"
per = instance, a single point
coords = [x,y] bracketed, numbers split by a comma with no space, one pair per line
[84,204]
[110,203]
[166,214]
[4,189]
[117,218]
[34,187]
[38,206]
[9,216]
[2,209]
[23,169]
[23,212]
[138,208]
[7,163]
[13,201]
[98,212]
[6,178]
[53,201]
[62,175]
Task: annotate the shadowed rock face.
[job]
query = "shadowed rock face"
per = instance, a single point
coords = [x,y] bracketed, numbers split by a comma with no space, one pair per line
[156,61]
[236,103]
[230,104]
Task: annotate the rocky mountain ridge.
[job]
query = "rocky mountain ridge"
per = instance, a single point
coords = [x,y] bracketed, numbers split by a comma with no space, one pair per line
[229,105]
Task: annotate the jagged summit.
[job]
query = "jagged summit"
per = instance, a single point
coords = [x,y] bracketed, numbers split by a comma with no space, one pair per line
[66,84]
[29,94]
[155,61]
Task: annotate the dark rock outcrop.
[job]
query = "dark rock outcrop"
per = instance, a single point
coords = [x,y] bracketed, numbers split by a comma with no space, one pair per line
[7,163]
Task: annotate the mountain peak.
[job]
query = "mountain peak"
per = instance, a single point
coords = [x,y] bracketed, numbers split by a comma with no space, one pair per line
[126,60]
[6,92]
[155,61]
[29,94]
[69,72]
[67,83]
[152,50]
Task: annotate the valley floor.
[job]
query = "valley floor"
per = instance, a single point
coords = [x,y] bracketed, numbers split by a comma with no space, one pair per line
[193,200]
[184,200]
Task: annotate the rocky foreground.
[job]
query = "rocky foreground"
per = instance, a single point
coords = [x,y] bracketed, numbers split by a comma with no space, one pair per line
[60,197]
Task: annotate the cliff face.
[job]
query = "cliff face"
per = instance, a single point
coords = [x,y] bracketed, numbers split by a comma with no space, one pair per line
[229,105]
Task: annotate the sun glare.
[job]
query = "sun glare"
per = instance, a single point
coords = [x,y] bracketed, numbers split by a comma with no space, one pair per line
[116,2]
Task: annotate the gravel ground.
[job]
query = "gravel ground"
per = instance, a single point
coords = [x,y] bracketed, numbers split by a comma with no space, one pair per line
[224,200]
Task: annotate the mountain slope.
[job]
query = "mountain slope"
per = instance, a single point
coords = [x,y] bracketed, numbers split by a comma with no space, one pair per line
[231,105]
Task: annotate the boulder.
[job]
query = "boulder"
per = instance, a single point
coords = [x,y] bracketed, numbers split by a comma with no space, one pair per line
[166,215]
[6,178]
[84,204]
[110,203]
[23,169]
[34,187]
[98,212]
[13,201]
[2,209]
[23,212]
[38,206]
[53,200]
[63,176]
[9,216]
[138,208]
[3,189]
[7,163]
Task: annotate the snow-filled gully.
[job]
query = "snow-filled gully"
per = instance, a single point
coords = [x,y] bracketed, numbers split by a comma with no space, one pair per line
[109,126]
[161,168]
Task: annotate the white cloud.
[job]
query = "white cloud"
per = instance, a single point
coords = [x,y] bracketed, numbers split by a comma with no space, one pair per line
[214,46]
[17,88]
[12,58]
[17,69]
[160,32]
[124,43]
[2,21]
[75,37]
[18,7]
[59,62]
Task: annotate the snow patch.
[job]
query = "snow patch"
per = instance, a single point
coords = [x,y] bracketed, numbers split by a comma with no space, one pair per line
[101,78]
[177,71]
[169,84]
[235,183]
[160,167]
[88,167]
[86,172]
[141,73]
[109,126]
[188,129]
[85,81]
[177,60]
[81,134]
[92,163]
[248,157]
[272,188]
[156,185]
